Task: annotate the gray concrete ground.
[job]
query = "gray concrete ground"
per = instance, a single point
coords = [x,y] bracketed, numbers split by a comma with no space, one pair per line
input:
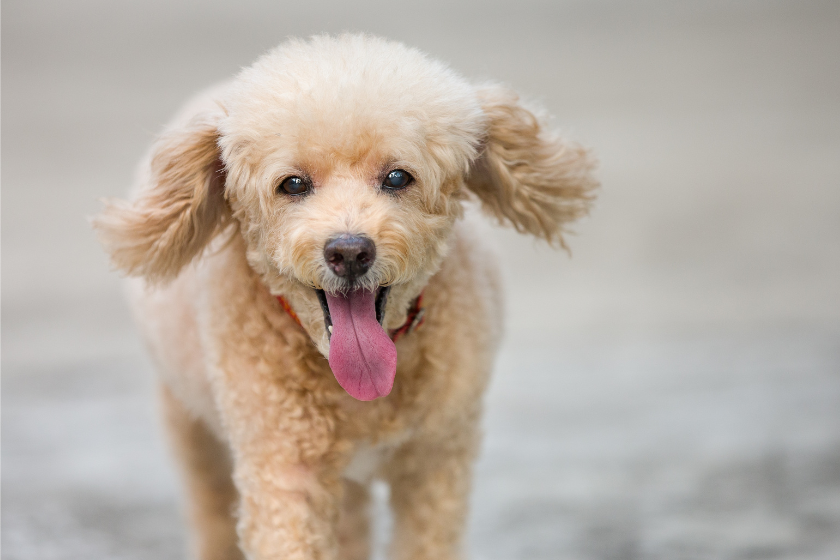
[670,392]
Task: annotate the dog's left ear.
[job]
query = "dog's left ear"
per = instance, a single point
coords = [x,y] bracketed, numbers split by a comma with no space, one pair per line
[528,176]
[176,212]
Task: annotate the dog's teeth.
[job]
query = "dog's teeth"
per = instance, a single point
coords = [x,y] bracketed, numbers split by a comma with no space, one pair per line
[330,329]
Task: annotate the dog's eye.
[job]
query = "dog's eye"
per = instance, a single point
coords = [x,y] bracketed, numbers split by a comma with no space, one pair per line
[397,179]
[293,185]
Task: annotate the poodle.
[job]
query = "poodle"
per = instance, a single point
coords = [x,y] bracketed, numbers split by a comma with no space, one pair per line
[320,311]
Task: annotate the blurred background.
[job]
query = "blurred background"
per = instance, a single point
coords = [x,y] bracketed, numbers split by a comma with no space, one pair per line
[671,391]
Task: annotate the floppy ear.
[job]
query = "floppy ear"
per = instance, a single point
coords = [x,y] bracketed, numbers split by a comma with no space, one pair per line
[528,176]
[176,212]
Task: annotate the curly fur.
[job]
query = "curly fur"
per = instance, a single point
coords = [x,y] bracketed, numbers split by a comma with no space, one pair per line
[269,442]
[528,176]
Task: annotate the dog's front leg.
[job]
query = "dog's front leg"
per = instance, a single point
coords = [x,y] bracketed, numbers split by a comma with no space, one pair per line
[288,510]
[207,472]
[430,483]
[285,466]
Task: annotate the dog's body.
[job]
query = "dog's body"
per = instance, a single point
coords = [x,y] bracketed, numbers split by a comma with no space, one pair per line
[332,173]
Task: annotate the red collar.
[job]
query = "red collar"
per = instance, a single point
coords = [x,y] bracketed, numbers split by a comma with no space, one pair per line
[415,316]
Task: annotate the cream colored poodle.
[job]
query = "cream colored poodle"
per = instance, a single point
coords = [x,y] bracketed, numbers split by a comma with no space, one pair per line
[320,312]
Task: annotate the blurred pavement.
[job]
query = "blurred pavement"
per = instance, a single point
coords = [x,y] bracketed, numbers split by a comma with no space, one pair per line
[670,392]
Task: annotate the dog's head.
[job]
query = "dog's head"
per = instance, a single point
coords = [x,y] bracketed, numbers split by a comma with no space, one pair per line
[343,163]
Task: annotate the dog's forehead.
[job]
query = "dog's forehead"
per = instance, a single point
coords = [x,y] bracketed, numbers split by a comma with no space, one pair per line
[351,97]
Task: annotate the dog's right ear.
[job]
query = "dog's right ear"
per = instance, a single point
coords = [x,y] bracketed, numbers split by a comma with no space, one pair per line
[526,175]
[176,212]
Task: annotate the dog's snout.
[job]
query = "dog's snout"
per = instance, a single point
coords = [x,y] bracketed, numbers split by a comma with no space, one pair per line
[350,256]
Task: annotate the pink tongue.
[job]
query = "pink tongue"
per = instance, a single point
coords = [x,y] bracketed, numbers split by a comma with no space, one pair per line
[362,356]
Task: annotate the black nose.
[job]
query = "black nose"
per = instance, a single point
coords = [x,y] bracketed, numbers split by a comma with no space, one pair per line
[350,256]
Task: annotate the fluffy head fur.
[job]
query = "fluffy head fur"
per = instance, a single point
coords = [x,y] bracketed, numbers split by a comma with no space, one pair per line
[343,112]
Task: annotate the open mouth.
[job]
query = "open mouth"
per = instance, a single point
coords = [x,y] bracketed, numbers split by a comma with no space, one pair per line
[379,306]
[362,357]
